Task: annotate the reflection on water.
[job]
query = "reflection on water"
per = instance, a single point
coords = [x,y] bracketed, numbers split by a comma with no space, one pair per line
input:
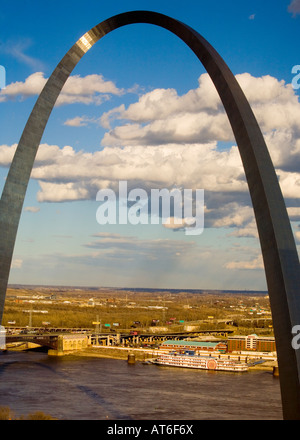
[77,388]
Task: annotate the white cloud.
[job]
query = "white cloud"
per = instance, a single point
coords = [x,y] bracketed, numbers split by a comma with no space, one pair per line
[16,263]
[183,133]
[290,184]
[247,230]
[91,89]
[256,263]
[78,121]
[161,103]
[57,192]
[238,216]
[33,209]
[297,235]
[185,128]
[6,154]
[106,117]
[64,171]
[162,116]
[294,213]
[175,223]
[66,175]
[33,85]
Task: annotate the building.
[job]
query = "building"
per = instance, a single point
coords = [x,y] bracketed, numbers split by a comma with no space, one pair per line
[194,345]
[251,343]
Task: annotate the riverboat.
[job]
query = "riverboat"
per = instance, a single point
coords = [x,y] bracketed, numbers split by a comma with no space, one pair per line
[192,360]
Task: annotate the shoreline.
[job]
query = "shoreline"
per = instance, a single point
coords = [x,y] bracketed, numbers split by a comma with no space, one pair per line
[142,355]
[116,352]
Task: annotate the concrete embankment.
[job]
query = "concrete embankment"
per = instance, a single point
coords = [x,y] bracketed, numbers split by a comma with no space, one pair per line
[117,352]
[266,366]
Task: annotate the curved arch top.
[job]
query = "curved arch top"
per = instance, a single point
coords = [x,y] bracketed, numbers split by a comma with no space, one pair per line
[277,242]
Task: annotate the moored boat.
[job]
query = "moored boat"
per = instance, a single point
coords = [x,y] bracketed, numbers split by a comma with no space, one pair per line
[192,360]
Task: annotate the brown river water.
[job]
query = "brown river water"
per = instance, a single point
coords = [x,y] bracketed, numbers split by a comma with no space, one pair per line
[78,388]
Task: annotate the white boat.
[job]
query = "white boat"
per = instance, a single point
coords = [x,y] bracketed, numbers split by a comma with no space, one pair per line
[192,360]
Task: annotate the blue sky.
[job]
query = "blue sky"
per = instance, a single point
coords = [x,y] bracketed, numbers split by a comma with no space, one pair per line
[139,107]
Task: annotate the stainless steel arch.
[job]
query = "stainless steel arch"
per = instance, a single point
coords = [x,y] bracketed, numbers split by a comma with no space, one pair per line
[277,242]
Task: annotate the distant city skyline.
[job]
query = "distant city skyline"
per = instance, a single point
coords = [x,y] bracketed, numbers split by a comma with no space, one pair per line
[140,107]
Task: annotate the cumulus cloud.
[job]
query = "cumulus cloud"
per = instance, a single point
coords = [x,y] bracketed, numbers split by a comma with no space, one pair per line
[63,173]
[161,103]
[181,128]
[6,154]
[58,192]
[169,141]
[249,229]
[234,215]
[66,175]
[33,85]
[91,89]
[105,119]
[162,116]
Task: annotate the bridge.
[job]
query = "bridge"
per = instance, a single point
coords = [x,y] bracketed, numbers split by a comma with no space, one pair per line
[58,341]
[43,330]
[46,340]
[64,340]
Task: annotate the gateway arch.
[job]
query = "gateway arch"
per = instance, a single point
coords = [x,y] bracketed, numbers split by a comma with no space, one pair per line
[279,252]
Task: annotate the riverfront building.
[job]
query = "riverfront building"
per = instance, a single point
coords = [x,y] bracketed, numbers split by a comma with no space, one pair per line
[194,345]
[251,343]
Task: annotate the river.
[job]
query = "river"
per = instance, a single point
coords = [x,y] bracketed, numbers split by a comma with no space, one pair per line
[77,388]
